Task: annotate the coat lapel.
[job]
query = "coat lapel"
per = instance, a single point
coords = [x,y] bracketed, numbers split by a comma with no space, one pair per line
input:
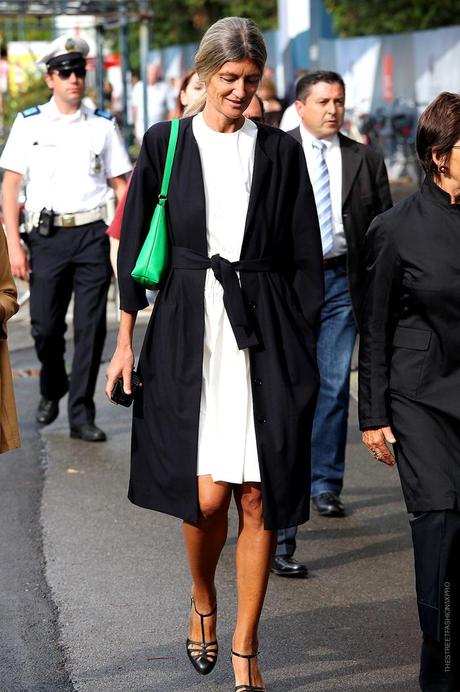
[262,168]
[351,163]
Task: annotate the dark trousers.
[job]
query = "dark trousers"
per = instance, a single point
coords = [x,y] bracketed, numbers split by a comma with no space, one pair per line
[73,260]
[436,540]
[286,542]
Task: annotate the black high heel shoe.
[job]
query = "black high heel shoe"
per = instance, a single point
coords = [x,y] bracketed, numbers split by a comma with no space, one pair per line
[250,687]
[202,655]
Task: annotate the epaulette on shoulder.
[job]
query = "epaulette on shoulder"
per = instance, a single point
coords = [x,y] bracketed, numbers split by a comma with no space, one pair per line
[34,110]
[103,114]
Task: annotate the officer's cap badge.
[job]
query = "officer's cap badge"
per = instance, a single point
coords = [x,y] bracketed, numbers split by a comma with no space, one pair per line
[70,45]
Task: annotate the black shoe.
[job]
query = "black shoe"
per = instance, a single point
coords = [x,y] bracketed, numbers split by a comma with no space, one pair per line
[88,432]
[47,411]
[202,655]
[288,567]
[250,687]
[328,505]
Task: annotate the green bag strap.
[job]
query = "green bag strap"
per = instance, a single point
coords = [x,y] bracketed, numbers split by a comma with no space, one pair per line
[169,157]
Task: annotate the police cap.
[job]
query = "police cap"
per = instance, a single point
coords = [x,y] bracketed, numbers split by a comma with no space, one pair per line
[65,52]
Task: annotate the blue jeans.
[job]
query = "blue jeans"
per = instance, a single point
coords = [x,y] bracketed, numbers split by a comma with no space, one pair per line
[336,340]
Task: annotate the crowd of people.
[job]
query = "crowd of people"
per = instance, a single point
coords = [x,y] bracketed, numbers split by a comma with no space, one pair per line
[282,246]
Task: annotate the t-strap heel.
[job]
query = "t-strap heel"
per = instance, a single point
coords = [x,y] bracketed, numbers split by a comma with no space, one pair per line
[250,687]
[202,655]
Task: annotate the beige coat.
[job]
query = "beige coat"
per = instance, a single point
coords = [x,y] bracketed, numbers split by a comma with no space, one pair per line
[9,431]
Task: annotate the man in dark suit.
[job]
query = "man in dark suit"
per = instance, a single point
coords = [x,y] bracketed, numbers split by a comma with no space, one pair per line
[350,183]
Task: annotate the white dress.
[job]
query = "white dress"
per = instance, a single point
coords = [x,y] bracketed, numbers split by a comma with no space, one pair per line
[227,442]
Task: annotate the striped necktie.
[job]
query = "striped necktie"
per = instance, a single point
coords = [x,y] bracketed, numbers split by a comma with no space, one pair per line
[322,192]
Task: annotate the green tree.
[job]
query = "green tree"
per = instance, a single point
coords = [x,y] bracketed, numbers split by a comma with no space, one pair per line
[24,28]
[364,17]
[185,21]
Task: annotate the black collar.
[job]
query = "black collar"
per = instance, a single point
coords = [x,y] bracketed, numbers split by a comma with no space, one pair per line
[435,194]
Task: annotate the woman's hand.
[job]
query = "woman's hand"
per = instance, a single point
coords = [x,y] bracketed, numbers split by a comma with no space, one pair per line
[376,441]
[121,365]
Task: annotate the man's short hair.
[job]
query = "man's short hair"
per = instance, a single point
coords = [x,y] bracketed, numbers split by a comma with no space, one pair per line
[305,83]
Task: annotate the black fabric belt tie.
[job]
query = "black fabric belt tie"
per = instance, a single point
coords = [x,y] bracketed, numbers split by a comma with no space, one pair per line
[226,274]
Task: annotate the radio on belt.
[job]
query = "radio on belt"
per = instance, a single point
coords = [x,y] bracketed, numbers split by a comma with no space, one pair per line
[46,223]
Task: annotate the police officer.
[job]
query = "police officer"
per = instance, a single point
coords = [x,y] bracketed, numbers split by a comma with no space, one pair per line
[67,154]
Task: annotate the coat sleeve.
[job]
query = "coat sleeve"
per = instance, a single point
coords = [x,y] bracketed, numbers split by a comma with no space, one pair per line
[141,200]
[8,294]
[307,247]
[383,281]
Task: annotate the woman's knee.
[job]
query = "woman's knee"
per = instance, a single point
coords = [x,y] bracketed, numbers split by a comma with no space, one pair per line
[213,498]
[252,506]
[213,506]
[212,510]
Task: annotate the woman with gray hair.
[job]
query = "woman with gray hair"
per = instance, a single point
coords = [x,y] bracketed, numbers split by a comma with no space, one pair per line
[228,362]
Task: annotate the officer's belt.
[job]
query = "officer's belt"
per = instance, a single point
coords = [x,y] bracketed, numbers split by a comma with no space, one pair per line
[80,218]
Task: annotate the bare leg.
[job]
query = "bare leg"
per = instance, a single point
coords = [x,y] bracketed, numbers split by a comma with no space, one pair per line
[204,542]
[254,553]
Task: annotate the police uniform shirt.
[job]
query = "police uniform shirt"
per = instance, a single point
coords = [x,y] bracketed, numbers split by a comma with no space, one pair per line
[65,159]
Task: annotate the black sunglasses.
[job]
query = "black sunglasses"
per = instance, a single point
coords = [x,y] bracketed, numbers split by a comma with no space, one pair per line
[65,73]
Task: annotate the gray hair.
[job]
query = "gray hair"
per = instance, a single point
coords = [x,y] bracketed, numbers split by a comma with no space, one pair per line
[228,40]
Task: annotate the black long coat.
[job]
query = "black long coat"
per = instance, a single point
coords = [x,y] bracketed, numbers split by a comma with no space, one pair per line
[410,344]
[274,313]
[365,194]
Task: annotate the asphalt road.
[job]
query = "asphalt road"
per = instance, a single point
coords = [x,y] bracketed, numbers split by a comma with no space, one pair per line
[94,591]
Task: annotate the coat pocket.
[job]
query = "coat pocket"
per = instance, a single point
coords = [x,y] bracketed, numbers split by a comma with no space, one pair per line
[410,348]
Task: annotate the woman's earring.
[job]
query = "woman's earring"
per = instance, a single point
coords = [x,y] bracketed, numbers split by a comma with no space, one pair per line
[443,169]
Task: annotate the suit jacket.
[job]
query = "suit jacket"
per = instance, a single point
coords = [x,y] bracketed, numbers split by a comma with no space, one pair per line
[9,433]
[273,313]
[365,193]
[409,361]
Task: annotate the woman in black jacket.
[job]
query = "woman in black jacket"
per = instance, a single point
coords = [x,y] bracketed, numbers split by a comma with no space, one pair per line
[409,392]
[228,362]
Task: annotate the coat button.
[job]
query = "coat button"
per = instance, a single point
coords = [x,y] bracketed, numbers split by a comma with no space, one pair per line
[252,305]
[257,380]
[262,419]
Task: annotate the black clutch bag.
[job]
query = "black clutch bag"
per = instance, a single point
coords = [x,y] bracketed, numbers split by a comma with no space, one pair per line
[119,395]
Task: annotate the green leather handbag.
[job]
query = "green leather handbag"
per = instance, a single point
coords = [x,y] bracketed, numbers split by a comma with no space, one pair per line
[153,258]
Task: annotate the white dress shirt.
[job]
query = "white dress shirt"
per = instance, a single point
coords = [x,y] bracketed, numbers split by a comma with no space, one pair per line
[290,118]
[66,160]
[333,157]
